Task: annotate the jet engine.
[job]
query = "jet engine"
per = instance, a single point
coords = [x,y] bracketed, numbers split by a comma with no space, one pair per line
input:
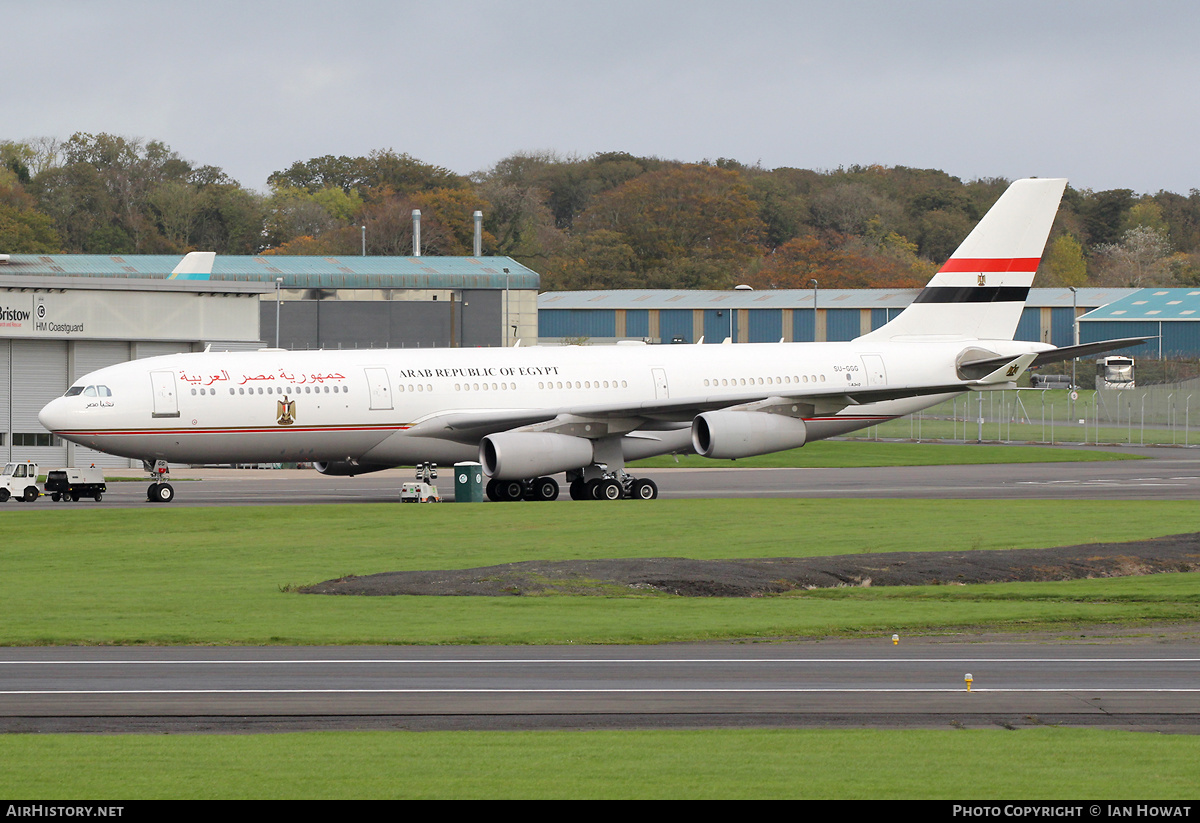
[731,434]
[347,468]
[517,455]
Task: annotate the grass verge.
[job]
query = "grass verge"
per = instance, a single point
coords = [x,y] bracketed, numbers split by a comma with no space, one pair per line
[1044,763]
[223,576]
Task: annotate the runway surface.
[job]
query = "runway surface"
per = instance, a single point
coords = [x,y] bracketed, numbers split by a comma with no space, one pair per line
[1172,473]
[813,685]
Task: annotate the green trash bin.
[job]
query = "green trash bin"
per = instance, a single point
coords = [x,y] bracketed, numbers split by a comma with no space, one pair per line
[468,482]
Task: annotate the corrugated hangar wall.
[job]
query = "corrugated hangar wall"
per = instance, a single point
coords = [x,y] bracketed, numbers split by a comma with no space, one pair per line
[34,372]
[366,324]
[62,328]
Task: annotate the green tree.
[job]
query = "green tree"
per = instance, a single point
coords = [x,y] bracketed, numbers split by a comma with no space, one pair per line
[597,260]
[1063,264]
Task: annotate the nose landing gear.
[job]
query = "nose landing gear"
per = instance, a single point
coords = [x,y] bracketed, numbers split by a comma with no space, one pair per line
[159,491]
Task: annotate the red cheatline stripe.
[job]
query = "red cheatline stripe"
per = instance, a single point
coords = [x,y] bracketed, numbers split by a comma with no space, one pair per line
[277,429]
[991,264]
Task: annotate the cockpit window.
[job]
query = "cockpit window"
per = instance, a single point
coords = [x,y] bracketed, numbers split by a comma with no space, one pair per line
[89,391]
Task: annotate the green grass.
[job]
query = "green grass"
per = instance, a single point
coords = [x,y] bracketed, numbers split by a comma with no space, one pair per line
[1044,763]
[221,576]
[825,454]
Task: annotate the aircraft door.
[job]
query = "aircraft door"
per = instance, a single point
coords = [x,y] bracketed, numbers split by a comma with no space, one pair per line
[876,373]
[166,400]
[661,391]
[381,391]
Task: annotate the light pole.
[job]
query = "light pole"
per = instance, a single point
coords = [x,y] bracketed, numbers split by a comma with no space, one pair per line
[1075,324]
[364,235]
[814,285]
[740,287]
[278,286]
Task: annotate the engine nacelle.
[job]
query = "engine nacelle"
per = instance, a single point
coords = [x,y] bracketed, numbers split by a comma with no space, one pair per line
[518,455]
[732,434]
[347,468]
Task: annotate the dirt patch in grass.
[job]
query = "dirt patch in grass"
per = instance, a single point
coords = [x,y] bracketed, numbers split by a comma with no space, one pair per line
[754,578]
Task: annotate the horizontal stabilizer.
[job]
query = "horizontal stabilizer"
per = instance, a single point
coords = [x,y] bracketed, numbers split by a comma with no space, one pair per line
[1009,370]
[1058,355]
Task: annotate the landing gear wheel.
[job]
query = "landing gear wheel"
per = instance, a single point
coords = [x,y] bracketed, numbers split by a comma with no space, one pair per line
[609,490]
[493,491]
[645,489]
[165,493]
[545,488]
[511,490]
[579,490]
[152,493]
[31,494]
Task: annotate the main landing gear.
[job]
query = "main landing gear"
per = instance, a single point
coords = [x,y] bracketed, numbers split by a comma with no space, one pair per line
[608,486]
[160,491]
[536,488]
[615,487]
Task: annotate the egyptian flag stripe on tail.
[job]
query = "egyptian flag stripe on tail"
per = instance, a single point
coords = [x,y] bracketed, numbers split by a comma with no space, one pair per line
[973,294]
[991,264]
[981,294]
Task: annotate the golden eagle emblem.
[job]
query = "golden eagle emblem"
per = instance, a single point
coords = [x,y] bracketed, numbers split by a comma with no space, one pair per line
[285,411]
[982,279]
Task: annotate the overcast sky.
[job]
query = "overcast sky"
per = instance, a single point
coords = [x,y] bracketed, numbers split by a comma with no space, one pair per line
[1102,92]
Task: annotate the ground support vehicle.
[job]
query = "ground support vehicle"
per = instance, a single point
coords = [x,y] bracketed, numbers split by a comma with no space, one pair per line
[20,482]
[423,490]
[73,484]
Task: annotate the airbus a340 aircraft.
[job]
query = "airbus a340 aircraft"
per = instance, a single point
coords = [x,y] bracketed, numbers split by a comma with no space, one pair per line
[528,413]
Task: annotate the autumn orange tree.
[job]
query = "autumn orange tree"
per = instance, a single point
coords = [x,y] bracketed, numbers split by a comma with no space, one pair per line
[835,261]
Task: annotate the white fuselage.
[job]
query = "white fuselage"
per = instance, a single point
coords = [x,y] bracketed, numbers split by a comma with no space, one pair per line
[369,405]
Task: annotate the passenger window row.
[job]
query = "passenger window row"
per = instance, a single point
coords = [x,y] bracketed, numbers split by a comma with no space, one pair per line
[765,381]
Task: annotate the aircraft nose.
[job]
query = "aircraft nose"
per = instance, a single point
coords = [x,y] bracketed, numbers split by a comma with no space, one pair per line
[53,415]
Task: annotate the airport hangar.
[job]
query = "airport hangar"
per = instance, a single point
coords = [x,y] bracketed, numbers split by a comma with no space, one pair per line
[64,315]
[1167,315]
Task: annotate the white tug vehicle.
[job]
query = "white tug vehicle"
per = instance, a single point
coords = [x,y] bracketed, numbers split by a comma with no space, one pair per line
[20,482]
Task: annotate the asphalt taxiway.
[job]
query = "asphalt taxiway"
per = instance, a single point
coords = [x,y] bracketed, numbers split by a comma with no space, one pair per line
[788,685]
[1170,473]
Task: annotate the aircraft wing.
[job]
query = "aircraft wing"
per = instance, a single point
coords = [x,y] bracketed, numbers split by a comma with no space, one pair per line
[608,419]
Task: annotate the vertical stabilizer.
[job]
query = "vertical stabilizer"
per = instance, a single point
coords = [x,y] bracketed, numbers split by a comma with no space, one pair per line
[195,265]
[980,292]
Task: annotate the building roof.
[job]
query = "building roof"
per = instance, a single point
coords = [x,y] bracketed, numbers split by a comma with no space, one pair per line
[791,298]
[298,272]
[1151,304]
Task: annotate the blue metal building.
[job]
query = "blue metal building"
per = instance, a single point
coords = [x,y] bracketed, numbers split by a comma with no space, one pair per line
[666,316]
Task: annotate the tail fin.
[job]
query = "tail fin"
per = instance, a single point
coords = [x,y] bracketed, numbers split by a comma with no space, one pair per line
[195,265]
[981,290]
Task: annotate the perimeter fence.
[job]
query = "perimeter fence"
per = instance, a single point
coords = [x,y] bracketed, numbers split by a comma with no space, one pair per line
[1167,414]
